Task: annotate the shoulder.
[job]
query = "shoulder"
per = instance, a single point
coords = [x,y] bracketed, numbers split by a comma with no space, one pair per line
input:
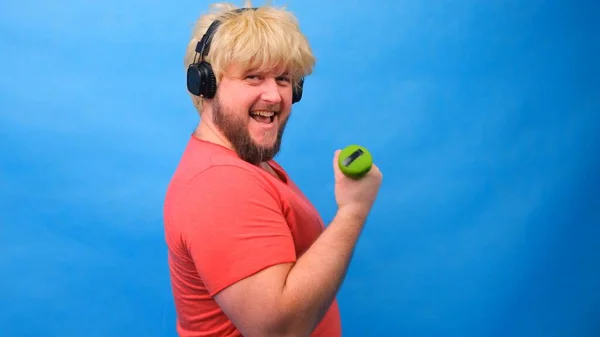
[228,178]
[213,185]
[226,190]
[206,170]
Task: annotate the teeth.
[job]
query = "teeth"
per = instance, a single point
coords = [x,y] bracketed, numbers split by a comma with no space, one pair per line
[263,113]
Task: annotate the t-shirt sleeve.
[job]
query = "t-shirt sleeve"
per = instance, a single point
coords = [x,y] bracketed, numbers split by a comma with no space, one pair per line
[233,226]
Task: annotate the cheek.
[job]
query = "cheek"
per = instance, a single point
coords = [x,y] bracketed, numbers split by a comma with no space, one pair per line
[241,104]
[286,95]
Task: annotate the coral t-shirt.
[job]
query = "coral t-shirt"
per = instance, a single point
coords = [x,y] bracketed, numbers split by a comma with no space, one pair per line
[225,220]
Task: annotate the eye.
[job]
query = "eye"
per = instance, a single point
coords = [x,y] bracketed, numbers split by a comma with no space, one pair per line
[253,77]
[284,79]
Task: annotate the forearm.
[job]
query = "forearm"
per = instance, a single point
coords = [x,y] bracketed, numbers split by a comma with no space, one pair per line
[315,279]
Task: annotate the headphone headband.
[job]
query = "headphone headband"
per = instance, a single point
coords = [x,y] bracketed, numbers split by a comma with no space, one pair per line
[203,46]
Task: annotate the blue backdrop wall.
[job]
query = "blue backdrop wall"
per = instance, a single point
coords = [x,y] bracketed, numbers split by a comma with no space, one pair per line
[481,115]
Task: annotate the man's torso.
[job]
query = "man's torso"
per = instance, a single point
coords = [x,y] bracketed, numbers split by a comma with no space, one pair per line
[198,314]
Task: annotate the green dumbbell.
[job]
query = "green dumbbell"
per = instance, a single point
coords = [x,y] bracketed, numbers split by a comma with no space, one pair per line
[355,161]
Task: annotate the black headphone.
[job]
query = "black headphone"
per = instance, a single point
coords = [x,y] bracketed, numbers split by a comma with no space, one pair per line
[201,79]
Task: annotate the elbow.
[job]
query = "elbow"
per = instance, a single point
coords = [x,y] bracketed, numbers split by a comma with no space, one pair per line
[292,324]
[289,328]
[285,324]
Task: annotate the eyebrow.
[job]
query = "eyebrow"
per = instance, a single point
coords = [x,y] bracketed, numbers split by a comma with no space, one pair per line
[256,71]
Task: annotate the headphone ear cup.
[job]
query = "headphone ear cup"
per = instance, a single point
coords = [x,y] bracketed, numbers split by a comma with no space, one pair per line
[201,80]
[193,79]
[297,92]
[209,82]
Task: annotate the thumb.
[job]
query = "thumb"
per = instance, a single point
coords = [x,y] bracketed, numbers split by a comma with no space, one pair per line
[336,168]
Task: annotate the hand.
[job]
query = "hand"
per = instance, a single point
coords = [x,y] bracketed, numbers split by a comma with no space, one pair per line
[355,197]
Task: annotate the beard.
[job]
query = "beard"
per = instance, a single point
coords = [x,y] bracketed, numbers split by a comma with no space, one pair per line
[235,129]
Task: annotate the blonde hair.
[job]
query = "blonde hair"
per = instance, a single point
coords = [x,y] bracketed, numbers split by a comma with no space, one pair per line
[263,39]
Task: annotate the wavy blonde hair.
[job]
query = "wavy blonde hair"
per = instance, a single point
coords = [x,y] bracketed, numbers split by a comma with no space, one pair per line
[265,39]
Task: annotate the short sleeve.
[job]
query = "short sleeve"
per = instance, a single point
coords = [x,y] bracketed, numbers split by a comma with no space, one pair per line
[233,226]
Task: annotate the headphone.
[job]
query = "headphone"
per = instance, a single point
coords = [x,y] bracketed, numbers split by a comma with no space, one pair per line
[201,79]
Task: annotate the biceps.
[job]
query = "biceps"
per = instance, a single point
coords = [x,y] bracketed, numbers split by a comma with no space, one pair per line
[225,257]
[255,304]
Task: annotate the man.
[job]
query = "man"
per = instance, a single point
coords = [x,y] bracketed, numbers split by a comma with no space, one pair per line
[249,255]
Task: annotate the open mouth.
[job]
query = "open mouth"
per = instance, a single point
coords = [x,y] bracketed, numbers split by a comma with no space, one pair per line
[265,117]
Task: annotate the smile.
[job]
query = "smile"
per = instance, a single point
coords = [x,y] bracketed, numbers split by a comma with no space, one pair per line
[266,117]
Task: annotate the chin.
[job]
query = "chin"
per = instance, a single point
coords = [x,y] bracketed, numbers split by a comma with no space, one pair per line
[266,141]
[267,135]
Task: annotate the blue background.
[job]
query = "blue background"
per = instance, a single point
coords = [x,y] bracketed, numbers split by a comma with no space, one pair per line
[481,114]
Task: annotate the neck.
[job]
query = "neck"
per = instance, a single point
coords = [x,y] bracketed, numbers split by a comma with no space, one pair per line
[208,132]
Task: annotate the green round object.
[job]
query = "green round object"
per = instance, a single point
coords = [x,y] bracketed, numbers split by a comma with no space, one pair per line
[355,161]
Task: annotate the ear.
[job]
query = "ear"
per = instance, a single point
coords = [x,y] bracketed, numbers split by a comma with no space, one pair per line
[197,100]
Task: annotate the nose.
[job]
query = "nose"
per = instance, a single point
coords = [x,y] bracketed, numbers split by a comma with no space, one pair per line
[271,92]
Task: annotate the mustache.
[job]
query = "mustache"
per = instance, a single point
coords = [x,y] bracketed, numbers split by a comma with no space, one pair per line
[269,107]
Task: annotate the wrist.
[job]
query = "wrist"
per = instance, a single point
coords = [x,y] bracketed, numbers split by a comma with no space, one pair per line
[352,214]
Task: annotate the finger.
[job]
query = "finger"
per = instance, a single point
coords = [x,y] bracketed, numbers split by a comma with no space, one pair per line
[336,156]
[336,168]
[376,171]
